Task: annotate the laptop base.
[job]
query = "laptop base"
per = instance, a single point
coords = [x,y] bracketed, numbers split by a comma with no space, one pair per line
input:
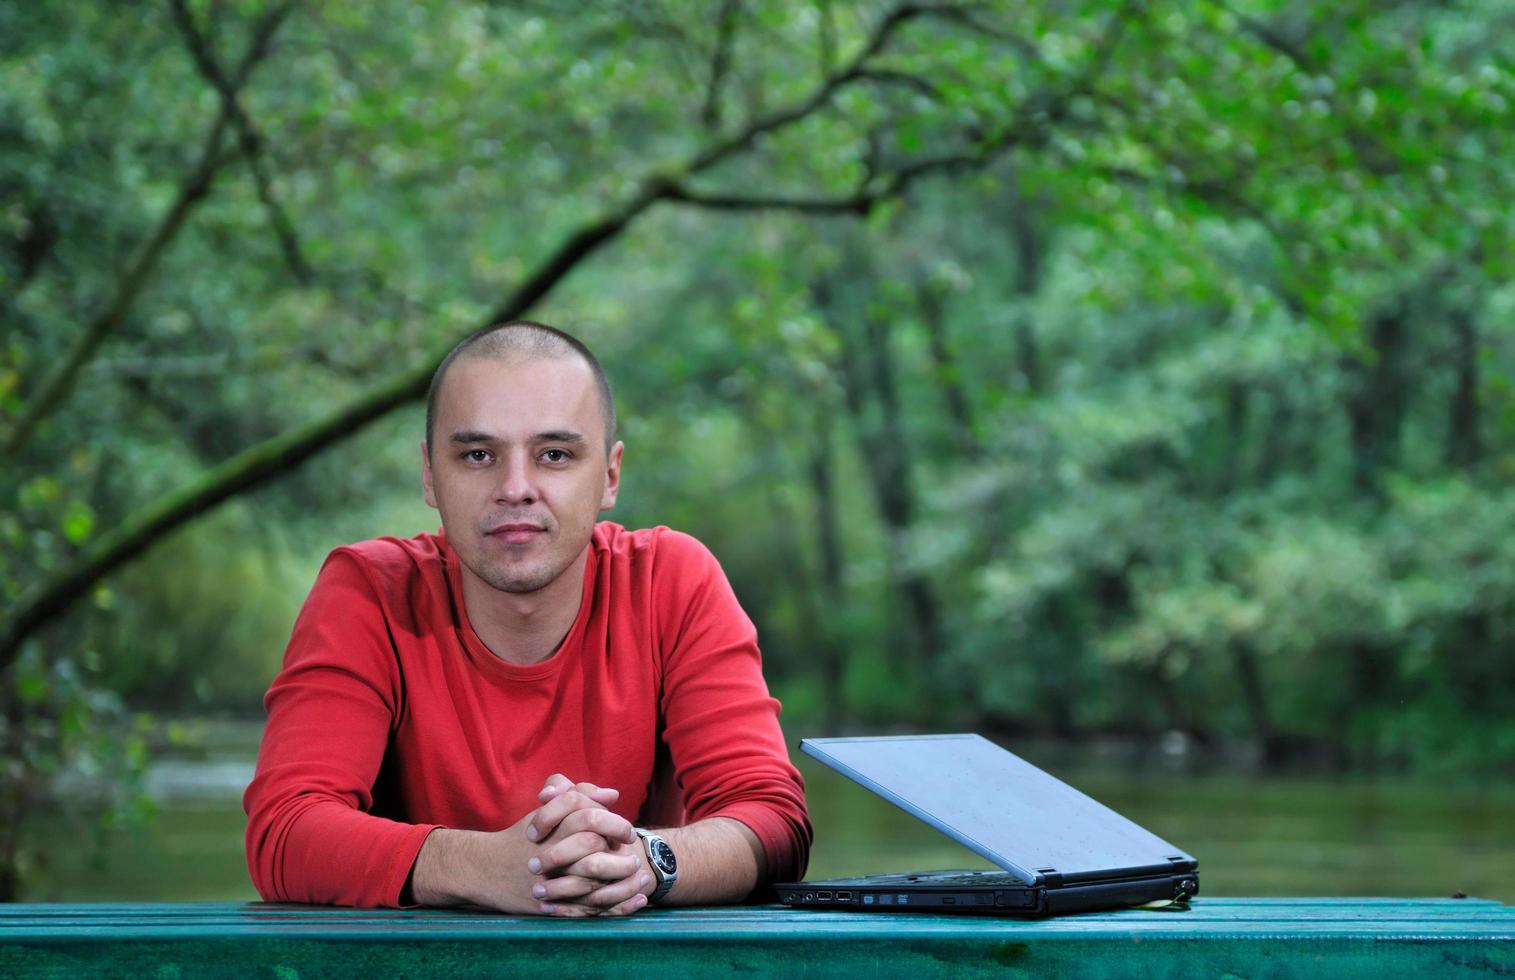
[983,893]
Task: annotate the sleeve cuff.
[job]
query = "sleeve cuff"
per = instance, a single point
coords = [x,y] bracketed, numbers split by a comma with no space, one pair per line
[404,862]
[785,849]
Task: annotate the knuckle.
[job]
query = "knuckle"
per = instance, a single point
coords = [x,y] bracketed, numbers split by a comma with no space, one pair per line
[572,886]
[592,843]
[603,899]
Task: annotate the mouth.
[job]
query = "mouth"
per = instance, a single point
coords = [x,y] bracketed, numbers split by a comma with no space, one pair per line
[516,532]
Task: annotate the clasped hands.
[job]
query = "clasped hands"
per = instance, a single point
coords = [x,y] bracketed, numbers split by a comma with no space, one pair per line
[588,860]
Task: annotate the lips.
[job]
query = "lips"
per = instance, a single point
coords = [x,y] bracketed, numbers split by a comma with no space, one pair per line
[516,532]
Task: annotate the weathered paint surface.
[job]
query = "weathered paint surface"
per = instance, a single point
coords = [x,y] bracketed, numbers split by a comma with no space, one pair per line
[1218,937]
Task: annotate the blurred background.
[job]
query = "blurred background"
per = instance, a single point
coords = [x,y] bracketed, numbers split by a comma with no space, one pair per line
[1129,382]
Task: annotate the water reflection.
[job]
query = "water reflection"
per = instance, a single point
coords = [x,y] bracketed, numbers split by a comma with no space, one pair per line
[1253,835]
[1293,835]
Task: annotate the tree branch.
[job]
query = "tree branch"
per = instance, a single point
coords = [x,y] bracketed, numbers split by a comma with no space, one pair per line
[854,205]
[892,76]
[720,62]
[886,28]
[962,16]
[1218,193]
[260,463]
[250,140]
[826,40]
[191,191]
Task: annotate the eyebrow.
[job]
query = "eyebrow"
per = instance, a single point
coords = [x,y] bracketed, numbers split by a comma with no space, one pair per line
[558,435]
[561,436]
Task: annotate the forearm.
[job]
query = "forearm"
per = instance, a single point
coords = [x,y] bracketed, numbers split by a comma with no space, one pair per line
[720,860]
[308,847]
[448,869]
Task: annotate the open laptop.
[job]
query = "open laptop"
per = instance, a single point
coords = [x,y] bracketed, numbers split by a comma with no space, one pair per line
[1060,851]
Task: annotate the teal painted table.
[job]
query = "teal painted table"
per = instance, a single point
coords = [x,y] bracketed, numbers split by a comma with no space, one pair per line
[1424,938]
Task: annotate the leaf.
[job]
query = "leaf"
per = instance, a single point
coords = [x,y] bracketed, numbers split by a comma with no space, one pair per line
[78,522]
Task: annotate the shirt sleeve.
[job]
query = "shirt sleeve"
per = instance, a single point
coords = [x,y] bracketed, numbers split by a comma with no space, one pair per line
[310,837]
[720,724]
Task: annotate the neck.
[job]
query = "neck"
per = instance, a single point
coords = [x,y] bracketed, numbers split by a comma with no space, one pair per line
[525,627]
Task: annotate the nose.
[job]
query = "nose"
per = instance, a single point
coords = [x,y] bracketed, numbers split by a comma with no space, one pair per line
[517,486]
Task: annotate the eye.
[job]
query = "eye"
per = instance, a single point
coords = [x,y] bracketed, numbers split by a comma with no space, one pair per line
[476,456]
[556,455]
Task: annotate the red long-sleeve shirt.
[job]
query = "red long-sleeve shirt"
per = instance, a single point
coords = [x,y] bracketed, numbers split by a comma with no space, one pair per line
[391,717]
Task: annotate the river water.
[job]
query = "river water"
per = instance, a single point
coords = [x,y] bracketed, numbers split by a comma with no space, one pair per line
[1253,835]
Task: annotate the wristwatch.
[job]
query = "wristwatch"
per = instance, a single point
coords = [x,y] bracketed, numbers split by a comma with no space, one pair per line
[664,866]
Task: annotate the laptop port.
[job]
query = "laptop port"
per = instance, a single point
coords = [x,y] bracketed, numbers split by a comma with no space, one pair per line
[823,896]
[844,896]
[810,896]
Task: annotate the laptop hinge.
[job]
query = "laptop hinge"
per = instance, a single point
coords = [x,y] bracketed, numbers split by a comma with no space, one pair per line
[1051,877]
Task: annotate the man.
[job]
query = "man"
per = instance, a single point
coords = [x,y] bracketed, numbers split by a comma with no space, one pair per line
[492,716]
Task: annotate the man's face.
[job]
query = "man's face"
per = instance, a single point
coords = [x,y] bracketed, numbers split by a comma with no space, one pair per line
[517,467]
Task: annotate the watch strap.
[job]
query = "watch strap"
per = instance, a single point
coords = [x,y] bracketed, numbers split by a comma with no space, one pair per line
[664,879]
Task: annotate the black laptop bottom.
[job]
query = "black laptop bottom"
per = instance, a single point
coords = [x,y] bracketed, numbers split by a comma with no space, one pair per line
[984,893]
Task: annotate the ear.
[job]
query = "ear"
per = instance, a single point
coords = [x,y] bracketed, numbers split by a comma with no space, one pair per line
[612,477]
[426,487]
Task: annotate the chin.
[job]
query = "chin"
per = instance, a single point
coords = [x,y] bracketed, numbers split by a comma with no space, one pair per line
[525,580]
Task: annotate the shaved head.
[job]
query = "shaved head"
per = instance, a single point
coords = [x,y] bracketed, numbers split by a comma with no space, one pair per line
[522,340]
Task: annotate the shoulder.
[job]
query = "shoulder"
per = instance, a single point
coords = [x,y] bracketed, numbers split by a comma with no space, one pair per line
[672,577]
[658,552]
[388,565]
[389,552]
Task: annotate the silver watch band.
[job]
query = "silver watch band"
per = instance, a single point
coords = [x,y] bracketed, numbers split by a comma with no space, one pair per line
[665,879]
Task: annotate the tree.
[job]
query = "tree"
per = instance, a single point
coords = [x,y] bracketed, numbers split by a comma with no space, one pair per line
[1094,335]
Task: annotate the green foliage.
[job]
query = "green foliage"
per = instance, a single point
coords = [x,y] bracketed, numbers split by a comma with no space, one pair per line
[65,738]
[1066,368]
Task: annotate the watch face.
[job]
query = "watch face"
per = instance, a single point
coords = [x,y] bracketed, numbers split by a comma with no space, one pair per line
[663,855]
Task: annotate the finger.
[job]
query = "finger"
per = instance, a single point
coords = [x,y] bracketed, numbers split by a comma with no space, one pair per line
[556,783]
[566,911]
[547,817]
[605,795]
[565,889]
[612,826]
[605,866]
[633,904]
[554,860]
[617,893]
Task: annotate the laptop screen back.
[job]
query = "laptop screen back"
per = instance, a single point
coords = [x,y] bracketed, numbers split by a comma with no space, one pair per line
[996,804]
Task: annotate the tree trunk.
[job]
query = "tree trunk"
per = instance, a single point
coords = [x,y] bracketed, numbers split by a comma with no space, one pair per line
[1274,456]
[946,368]
[1249,676]
[828,539]
[1029,246]
[1376,401]
[15,793]
[867,369]
[1176,714]
[1464,439]
[889,465]
[1234,451]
